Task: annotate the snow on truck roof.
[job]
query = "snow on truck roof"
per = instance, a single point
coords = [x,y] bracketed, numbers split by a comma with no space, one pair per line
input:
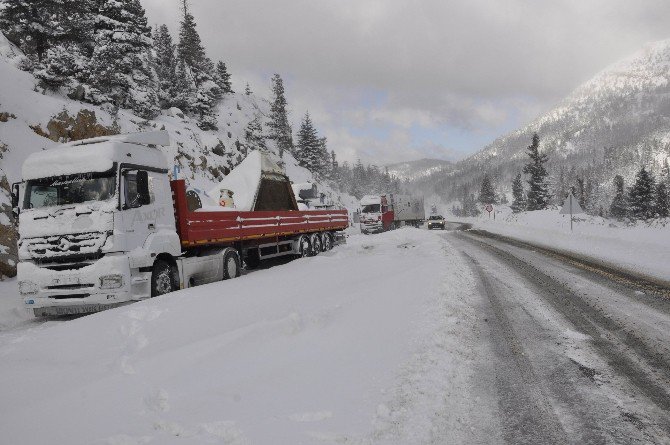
[370,199]
[97,155]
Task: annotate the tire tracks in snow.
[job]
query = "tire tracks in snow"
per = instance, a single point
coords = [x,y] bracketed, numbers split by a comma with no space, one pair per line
[529,418]
[629,356]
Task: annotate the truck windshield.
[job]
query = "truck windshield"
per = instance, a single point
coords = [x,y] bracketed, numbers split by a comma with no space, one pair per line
[71,189]
[370,208]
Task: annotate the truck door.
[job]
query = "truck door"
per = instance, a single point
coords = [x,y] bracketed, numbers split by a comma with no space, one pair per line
[138,218]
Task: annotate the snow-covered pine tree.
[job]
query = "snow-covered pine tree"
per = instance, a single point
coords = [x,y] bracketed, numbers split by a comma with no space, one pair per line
[560,187]
[222,78]
[165,63]
[641,195]
[581,192]
[486,194]
[619,207]
[324,158]
[253,135]
[334,168]
[280,129]
[307,151]
[29,24]
[538,192]
[247,90]
[661,204]
[62,65]
[184,89]
[519,196]
[120,69]
[200,70]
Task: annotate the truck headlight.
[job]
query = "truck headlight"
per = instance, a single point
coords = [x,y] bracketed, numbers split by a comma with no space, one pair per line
[28,288]
[111,281]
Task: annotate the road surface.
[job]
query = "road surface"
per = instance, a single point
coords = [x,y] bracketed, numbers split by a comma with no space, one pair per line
[577,355]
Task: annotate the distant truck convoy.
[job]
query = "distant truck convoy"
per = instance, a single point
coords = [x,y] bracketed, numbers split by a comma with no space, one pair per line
[100,224]
[380,213]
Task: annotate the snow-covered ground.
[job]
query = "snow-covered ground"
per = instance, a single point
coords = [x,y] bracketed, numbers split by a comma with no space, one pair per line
[357,345]
[641,248]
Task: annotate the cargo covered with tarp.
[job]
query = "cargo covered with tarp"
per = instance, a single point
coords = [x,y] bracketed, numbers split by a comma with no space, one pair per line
[256,184]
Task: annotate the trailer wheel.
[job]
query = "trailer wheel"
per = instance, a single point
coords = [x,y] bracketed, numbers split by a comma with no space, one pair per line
[327,242]
[252,259]
[317,244]
[304,246]
[163,279]
[231,264]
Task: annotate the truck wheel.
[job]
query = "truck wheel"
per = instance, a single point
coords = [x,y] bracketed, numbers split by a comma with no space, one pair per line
[253,259]
[163,279]
[327,242]
[231,264]
[304,246]
[317,244]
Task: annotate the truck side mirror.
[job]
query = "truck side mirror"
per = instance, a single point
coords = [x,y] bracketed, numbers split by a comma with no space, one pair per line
[15,199]
[143,188]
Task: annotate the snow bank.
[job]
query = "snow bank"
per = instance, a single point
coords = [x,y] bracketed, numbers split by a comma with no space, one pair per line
[294,354]
[640,248]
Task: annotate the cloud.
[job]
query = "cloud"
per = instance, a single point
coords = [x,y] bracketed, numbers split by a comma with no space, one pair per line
[476,65]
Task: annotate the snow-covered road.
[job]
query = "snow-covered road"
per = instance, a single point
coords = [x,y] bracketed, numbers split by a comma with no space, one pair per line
[407,337]
[577,357]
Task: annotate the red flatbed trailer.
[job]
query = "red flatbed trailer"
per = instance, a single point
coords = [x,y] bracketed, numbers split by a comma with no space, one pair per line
[202,228]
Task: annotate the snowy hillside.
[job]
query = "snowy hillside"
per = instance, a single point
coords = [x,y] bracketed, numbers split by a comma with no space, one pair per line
[32,120]
[414,170]
[612,124]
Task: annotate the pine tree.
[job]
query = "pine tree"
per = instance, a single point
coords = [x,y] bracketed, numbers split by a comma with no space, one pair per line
[31,24]
[184,90]
[61,65]
[247,90]
[120,68]
[641,195]
[222,78]
[166,67]
[486,194]
[253,135]
[519,196]
[307,150]
[661,205]
[619,208]
[280,129]
[334,168]
[200,71]
[538,193]
[190,48]
[581,192]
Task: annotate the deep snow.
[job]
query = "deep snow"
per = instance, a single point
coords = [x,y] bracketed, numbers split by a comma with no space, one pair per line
[641,248]
[357,345]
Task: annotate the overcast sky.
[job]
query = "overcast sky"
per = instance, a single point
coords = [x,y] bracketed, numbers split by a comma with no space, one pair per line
[396,80]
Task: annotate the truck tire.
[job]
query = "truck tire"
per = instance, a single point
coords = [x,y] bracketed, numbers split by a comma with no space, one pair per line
[231,264]
[326,241]
[163,279]
[317,244]
[304,246]
[252,260]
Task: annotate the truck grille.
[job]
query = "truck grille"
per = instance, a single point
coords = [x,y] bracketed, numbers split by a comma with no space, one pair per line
[65,245]
[70,286]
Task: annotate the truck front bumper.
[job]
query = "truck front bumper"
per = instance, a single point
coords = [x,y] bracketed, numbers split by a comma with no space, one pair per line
[372,227]
[96,286]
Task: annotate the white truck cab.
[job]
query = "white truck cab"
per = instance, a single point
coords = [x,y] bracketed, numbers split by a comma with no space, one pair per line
[94,217]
